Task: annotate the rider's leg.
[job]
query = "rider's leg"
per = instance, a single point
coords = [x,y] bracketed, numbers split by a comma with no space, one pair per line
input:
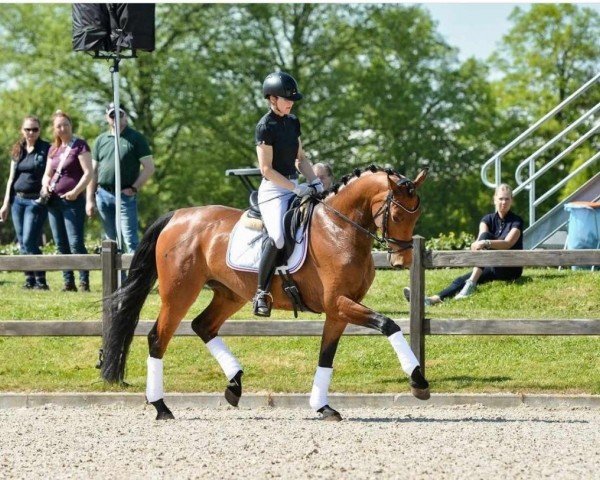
[273,201]
[266,268]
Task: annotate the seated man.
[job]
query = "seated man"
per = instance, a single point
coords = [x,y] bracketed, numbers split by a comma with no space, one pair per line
[502,230]
[324,173]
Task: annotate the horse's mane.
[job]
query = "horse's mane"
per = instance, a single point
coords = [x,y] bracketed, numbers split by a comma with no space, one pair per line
[356,173]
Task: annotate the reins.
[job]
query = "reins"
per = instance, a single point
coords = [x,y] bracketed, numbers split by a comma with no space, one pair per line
[385,211]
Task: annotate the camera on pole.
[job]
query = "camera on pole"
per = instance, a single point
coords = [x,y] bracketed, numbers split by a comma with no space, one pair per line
[110,28]
[114,31]
[106,30]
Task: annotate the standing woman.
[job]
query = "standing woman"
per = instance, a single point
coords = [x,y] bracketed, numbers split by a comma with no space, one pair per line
[28,161]
[68,171]
[279,151]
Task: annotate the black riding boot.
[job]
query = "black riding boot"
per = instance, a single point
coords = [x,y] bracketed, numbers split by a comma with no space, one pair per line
[266,268]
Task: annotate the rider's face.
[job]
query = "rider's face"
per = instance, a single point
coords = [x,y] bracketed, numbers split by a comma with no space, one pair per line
[282,105]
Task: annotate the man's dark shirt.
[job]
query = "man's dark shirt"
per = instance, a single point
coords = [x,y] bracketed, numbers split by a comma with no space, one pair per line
[282,134]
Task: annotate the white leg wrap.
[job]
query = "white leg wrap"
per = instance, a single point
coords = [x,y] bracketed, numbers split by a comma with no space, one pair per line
[407,358]
[223,355]
[318,396]
[154,379]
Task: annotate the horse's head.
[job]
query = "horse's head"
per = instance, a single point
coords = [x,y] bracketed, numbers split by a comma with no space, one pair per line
[395,213]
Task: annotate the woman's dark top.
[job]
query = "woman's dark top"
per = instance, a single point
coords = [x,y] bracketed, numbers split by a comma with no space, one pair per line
[501,227]
[282,134]
[30,168]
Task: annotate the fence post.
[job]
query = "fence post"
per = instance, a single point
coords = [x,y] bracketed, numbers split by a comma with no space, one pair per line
[417,300]
[109,283]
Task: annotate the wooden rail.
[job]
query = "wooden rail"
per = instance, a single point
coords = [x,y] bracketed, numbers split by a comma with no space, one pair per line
[310,328]
[110,262]
[423,259]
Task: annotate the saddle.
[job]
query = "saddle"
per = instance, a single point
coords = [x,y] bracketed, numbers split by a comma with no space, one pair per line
[296,218]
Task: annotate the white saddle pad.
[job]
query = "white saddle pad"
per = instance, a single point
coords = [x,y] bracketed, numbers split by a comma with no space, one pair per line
[245,248]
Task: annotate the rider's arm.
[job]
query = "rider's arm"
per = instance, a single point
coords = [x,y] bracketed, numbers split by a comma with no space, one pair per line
[265,163]
[304,165]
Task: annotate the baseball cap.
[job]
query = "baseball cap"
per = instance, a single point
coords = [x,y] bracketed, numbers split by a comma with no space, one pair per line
[110,108]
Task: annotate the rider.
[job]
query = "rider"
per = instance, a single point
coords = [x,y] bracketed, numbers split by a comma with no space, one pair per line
[279,151]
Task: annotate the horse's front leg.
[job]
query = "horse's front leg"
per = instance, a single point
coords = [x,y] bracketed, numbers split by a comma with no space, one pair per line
[332,331]
[357,314]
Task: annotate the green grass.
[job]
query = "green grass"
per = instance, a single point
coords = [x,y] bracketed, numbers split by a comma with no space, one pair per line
[363,364]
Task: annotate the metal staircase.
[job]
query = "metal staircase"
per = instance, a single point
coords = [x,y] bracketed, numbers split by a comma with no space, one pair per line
[549,231]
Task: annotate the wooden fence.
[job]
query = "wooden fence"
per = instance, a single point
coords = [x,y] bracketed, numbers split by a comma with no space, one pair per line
[110,262]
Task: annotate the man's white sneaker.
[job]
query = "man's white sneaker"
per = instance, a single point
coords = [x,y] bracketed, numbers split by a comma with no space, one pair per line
[467,290]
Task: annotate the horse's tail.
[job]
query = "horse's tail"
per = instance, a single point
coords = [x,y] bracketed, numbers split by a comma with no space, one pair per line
[126,303]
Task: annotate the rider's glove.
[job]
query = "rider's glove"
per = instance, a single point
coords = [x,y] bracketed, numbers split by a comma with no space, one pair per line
[303,189]
[318,185]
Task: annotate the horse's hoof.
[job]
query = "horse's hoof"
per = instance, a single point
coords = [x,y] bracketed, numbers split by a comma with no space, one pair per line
[328,414]
[419,387]
[233,392]
[165,416]
[162,411]
[231,398]
[421,393]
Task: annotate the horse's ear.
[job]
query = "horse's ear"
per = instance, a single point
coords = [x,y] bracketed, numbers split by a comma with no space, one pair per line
[421,177]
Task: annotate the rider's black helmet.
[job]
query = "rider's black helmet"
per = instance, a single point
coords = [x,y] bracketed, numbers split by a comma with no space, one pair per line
[281,84]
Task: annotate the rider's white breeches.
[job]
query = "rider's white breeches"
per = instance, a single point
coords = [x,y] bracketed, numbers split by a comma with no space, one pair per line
[273,202]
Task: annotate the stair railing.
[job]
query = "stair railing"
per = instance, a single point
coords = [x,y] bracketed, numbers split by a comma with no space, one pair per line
[529,183]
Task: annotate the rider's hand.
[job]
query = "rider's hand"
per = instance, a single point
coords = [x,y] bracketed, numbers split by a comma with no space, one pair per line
[318,186]
[303,189]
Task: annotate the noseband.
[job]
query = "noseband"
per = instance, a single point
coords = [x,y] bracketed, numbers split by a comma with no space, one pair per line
[385,211]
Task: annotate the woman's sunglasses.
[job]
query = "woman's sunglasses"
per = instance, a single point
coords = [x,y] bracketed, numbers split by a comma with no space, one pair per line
[112,114]
[31,130]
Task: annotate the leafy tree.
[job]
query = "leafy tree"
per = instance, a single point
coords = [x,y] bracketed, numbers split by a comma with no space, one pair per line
[381,86]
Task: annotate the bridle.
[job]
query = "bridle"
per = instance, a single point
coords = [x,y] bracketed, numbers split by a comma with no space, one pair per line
[385,211]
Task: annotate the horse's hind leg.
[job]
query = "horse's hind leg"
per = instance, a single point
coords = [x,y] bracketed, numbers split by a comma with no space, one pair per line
[175,302]
[206,325]
[332,331]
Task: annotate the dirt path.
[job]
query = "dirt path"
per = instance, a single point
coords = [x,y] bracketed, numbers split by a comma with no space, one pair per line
[424,442]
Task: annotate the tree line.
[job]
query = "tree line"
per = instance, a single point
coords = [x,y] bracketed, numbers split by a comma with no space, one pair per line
[381,86]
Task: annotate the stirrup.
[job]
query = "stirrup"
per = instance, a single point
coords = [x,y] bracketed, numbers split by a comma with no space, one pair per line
[262,306]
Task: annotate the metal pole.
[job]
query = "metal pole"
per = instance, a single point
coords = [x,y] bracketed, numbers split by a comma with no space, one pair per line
[116,101]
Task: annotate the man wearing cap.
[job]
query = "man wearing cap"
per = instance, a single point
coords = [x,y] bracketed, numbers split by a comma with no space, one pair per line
[137,166]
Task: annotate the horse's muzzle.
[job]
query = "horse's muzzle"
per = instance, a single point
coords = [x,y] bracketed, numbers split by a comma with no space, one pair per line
[402,259]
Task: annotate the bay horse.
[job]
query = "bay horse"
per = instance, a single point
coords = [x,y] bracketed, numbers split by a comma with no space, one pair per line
[186,250]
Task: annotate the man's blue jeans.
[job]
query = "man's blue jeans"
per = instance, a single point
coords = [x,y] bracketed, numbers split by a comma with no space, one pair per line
[67,220]
[28,218]
[105,202]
